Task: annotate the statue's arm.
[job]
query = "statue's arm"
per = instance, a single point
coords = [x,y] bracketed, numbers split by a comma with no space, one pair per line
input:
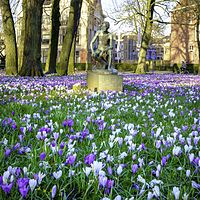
[111,41]
[93,41]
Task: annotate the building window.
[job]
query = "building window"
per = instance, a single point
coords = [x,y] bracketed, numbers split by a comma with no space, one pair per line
[191,47]
[125,46]
[77,59]
[78,36]
[45,39]
[47,2]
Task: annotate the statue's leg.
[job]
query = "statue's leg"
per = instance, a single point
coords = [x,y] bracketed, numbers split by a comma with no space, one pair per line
[109,59]
[104,62]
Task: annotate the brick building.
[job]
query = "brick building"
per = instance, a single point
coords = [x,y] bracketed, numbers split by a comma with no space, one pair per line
[183,39]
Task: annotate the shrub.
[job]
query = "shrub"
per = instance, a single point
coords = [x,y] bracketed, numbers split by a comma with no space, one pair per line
[82,66]
[125,67]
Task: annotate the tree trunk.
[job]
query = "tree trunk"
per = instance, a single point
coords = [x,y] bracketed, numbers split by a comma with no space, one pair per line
[21,45]
[31,65]
[198,40]
[72,26]
[72,58]
[10,38]
[87,53]
[146,37]
[53,46]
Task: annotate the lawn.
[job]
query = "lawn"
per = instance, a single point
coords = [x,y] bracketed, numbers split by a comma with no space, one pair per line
[142,143]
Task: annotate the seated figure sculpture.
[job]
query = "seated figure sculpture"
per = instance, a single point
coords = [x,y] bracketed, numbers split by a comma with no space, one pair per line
[103,53]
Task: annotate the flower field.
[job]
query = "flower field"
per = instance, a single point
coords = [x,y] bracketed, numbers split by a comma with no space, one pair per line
[143,143]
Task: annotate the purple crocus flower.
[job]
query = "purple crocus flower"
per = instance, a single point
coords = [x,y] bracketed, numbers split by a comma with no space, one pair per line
[71,159]
[35,176]
[62,145]
[89,159]
[1,180]
[60,152]
[18,172]
[196,161]
[196,140]
[24,191]
[7,152]
[68,123]
[22,129]
[22,182]
[56,136]
[21,151]
[20,137]
[30,128]
[42,156]
[84,133]
[164,161]
[195,185]
[17,146]
[103,181]
[134,168]
[7,187]
[53,193]
[64,123]
[109,170]
[136,186]
[53,143]
[14,126]
[184,128]
[109,186]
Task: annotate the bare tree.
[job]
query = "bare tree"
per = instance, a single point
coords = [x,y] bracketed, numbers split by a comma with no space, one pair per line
[146,37]
[10,38]
[53,46]
[72,26]
[32,46]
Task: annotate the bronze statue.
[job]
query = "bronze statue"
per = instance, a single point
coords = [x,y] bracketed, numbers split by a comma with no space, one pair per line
[103,53]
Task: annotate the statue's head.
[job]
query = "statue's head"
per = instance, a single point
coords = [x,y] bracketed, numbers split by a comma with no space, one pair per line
[105,26]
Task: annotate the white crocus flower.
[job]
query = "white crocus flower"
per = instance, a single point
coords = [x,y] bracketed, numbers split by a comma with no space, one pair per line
[185,196]
[6,175]
[150,196]
[11,178]
[122,155]
[188,173]
[32,184]
[25,170]
[87,170]
[57,174]
[156,191]
[5,141]
[176,193]
[188,148]
[155,182]
[119,170]
[40,177]
[141,180]
[176,150]
[97,166]
[118,197]
[191,157]
[158,132]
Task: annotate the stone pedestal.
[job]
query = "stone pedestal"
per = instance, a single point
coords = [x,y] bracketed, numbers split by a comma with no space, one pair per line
[98,81]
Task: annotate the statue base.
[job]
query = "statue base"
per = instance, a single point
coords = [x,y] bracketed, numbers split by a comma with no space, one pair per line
[98,81]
